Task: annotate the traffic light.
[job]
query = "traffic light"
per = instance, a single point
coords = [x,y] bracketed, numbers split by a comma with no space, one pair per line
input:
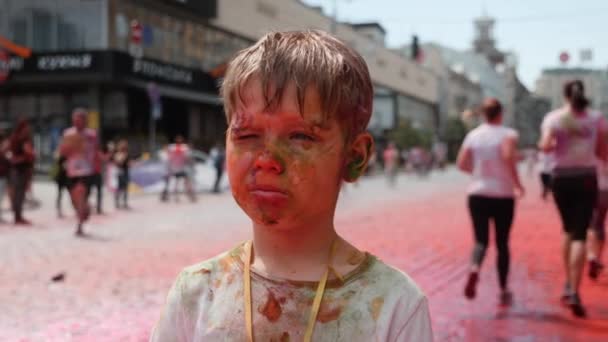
[415,48]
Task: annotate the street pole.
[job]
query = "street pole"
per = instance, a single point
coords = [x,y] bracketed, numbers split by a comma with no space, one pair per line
[155,114]
[152,137]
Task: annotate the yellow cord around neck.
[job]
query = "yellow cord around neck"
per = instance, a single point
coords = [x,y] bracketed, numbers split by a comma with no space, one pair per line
[316,304]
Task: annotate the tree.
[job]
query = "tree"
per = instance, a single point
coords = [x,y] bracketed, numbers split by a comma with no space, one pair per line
[406,136]
[455,131]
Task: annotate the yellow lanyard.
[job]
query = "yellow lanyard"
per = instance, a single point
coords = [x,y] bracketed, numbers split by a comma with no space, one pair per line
[316,305]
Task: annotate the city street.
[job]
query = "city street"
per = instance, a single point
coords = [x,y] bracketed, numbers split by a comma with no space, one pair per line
[110,286]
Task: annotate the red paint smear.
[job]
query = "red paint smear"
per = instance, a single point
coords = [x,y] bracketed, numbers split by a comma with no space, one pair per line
[272,309]
[329,315]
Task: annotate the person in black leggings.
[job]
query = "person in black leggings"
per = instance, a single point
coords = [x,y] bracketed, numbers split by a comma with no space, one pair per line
[578,136]
[499,211]
[489,154]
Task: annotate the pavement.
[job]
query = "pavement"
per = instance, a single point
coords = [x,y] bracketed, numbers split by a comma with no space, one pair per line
[111,285]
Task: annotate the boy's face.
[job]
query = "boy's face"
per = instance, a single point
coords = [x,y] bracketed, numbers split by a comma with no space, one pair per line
[285,167]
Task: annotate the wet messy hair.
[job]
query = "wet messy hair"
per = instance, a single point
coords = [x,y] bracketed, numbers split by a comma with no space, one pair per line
[574,91]
[307,58]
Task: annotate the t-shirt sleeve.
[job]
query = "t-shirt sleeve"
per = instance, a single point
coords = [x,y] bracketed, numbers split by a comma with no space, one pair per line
[418,326]
[546,124]
[170,327]
[466,143]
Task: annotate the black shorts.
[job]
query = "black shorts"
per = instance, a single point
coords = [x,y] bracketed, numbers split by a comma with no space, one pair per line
[87,181]
[545,179]
[181,174]
[575,197]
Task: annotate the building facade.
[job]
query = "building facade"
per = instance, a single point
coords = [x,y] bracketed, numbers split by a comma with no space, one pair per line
[85,53]
[403,89]
[551,82]
[108,54]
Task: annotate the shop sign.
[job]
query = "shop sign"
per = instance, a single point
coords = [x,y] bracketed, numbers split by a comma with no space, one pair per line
[167,72]
[65,62]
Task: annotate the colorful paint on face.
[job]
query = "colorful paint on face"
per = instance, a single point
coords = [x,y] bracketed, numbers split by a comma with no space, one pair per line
[279,160]
[354,169]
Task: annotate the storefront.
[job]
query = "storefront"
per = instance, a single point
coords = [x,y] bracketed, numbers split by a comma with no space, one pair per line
[113,85]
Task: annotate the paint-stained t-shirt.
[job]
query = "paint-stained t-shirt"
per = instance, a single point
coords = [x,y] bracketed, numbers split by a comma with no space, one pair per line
[374,303]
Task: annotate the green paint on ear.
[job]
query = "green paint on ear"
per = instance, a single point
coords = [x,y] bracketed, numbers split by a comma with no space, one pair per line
[354,169]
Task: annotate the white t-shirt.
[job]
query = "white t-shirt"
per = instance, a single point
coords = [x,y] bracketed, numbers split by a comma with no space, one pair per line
[81,160]
[546,162]
[491,176]
[575,137]
[375,303]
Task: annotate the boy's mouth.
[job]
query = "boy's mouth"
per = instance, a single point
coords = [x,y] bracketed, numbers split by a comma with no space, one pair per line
[267,193]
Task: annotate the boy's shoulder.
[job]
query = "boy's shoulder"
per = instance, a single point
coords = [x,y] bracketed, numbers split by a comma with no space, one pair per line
[386,277]
[194,278]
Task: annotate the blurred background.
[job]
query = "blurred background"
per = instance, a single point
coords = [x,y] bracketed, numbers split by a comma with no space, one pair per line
[148,71]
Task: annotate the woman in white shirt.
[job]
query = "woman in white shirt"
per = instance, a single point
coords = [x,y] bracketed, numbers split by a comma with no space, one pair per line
[489,153]
[577,137]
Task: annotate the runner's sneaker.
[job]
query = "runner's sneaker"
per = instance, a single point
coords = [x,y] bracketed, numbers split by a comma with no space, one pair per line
[470,288]
[506,298]
[595,267]
[566,294]
[574,302]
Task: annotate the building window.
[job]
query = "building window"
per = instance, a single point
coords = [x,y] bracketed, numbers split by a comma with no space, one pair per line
[53,25]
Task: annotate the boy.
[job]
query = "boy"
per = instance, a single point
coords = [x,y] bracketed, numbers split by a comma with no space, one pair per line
[297,104]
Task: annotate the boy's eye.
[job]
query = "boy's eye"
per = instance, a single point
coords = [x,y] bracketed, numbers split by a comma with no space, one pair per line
[301,136]
[246,136]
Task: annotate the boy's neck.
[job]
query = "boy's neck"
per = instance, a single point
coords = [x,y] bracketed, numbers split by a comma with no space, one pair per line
[294,254]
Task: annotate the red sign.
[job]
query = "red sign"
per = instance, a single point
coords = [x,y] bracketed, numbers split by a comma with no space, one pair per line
[4,65]
[564,57]
[136,32]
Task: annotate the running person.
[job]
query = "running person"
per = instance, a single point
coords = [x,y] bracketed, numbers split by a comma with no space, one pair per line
[489,153]
[576,134]
[597,232]
[179,157]
[79,146]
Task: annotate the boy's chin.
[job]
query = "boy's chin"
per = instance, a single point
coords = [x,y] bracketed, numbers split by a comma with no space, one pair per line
[266,218]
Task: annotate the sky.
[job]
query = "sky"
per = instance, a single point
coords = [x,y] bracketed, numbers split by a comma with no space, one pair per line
[537,31]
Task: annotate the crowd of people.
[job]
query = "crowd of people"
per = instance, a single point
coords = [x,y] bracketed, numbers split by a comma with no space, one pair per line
[573,152]
[81,167]
[417,159]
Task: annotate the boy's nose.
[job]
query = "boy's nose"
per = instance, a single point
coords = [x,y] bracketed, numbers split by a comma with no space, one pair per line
[267,161]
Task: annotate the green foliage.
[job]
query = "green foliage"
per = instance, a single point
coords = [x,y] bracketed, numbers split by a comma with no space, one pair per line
[406,136]
[455,131]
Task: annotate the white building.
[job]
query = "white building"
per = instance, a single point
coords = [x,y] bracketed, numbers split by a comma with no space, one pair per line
[551,82]
[403,88]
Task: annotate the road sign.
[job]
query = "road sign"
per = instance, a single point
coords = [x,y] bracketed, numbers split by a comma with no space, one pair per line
[564,57]
[136,32]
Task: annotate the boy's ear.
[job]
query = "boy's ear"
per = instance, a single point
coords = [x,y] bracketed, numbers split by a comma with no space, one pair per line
[358,155]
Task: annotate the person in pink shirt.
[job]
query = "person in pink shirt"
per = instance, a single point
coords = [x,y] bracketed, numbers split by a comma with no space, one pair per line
[178,161]
[577,137]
